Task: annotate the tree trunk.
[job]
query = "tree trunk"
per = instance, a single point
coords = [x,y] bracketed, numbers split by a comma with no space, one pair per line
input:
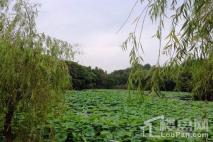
[7,131]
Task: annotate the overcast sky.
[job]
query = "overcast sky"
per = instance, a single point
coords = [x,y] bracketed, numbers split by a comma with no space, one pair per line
[93,24]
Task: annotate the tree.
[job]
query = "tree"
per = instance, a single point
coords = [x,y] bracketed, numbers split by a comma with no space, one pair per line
[82,77]
[118,79]
[101,77]
[32,73]
[191,34]
[147,66]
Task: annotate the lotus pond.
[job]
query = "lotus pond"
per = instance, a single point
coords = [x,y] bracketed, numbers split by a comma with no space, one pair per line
[116,115]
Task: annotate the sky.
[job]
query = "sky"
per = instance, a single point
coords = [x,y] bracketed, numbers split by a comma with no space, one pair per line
[93,26]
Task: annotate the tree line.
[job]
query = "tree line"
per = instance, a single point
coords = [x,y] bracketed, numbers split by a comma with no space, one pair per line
[82,77]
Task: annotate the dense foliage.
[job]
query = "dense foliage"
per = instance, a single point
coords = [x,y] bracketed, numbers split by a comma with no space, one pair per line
[190,36]
[104,115]
[32,75]
[35,71]
[83,77]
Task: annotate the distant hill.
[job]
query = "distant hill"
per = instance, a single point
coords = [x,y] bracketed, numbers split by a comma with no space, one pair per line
[83,77]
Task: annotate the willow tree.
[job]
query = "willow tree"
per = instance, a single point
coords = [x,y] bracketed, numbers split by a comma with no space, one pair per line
[32,72]
[190,37]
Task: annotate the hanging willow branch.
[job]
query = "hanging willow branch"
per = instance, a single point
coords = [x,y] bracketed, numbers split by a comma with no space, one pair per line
[190,35]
